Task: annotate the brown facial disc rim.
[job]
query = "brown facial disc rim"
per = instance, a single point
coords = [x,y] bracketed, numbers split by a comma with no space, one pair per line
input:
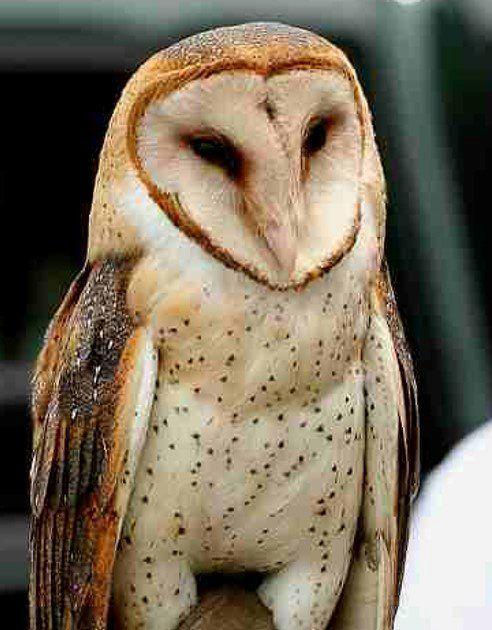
[170,204]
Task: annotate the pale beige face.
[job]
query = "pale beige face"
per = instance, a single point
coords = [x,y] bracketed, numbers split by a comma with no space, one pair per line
[267,168]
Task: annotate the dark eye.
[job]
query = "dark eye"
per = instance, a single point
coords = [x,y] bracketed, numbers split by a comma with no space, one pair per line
[217,151]
[315,138]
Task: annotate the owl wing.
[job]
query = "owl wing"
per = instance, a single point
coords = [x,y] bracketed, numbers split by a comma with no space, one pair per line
[93,389]
[370,596]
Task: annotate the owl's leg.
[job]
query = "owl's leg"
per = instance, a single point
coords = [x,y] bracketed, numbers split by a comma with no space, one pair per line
[303,594]
[152,595]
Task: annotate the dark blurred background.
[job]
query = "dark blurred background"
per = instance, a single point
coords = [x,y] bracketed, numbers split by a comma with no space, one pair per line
[426,67]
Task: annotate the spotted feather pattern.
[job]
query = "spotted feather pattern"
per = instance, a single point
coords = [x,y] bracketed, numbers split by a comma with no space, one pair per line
[370,598]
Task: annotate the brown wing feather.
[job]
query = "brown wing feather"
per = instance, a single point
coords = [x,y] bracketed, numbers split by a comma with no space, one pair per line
[47,362]
[82,385]
[411,426]
[370,596]
[409,442]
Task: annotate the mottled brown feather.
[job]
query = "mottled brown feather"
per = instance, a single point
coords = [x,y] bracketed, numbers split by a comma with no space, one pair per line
[46,364]
[84,368]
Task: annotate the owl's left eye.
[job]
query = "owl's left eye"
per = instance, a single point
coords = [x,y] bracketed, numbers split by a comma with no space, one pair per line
[218,151]
[315,138]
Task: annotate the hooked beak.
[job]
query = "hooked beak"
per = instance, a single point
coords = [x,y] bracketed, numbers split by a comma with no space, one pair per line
[274,216]
[282,244]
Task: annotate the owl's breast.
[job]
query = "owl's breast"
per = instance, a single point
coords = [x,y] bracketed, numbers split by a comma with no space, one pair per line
[238,345]
[257,427]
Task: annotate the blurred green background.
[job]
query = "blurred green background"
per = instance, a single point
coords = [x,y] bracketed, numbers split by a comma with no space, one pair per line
[426,67]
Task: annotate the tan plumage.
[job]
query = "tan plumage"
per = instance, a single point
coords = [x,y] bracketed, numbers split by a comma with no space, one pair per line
[226,387]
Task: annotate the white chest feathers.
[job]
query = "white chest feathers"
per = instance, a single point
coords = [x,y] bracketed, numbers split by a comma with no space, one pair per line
[254,455]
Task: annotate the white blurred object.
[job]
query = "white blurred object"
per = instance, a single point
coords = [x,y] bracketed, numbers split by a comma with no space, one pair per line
[448,580]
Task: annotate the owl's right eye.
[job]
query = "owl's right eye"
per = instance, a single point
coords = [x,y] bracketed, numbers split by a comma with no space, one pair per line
[218,151]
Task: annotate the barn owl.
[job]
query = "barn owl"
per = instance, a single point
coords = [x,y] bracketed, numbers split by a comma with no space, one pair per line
[226,389]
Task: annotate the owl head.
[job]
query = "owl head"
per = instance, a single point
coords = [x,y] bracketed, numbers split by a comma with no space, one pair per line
[255,143]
